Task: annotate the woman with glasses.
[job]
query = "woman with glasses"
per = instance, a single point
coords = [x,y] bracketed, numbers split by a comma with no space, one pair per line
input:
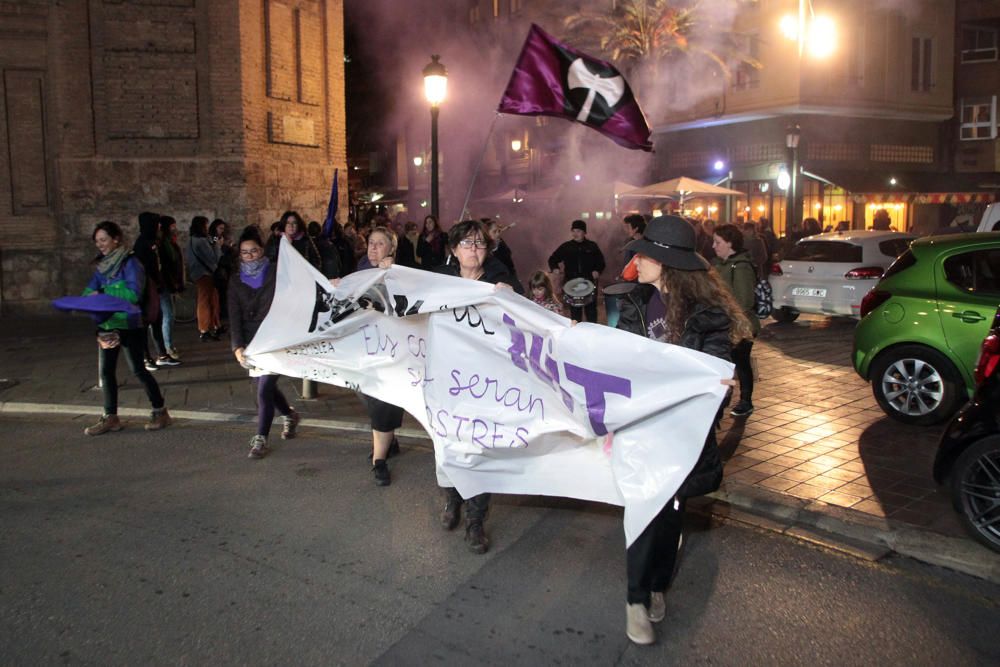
[251,290]
[471,247]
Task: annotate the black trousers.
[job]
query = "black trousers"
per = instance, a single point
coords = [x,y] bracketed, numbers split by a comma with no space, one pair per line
[133,342]
[590,311]
[476,507]
[385,417]
[649,562]
[744,370]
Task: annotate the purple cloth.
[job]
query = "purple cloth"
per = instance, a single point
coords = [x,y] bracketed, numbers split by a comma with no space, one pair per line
[95,303]
[256,279]
[552,79]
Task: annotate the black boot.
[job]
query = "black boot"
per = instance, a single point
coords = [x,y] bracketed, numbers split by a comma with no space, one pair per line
[452,509]
[475,537]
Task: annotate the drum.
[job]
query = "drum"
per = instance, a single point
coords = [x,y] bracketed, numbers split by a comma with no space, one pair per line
[578,292]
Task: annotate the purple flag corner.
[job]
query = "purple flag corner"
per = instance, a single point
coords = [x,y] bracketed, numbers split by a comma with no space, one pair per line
[552,79]
[331,208]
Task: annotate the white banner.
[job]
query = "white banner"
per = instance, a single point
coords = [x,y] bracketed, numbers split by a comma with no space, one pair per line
[515,399]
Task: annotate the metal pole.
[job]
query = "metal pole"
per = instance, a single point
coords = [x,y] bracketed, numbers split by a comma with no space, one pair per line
[794,206]
[475,173]
[434,162]
[308,388]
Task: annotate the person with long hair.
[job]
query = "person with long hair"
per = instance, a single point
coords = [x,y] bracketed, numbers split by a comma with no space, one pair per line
[119,273]
[678,300]
[434,252]
[251,290]
[736,268]
[470,245]
[219,236]
[294,229]
[202,260]
[543,293]
[172,267]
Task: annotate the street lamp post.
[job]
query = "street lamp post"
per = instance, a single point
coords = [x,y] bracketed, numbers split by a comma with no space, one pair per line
[792,136]
[435,88]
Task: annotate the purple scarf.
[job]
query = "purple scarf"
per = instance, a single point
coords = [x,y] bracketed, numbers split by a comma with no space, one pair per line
[252,273]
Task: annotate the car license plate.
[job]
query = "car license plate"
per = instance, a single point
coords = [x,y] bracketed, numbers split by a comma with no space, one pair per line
[808,291]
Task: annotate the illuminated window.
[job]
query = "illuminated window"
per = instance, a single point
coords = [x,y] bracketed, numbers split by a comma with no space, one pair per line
[496,8]
[979,118]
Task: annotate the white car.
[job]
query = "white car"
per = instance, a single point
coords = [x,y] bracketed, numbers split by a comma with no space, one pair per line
[829,274]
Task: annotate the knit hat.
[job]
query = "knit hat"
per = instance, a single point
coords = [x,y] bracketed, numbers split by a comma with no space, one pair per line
[579,224]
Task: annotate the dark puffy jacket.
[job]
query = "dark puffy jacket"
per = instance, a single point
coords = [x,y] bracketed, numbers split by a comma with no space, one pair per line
[580,259]
[248,307]
[706,330]
[494,271]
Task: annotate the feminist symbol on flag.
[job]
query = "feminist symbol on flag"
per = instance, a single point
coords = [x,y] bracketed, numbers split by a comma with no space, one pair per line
[611,90]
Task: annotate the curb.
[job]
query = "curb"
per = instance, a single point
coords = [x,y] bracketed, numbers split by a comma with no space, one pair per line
[843,529]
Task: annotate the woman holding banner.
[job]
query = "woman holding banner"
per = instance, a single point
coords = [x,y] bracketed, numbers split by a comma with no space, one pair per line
[678,300]
[251,290]
[470,245]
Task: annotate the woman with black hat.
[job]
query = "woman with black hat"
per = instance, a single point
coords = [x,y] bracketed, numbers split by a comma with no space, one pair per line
[678,300]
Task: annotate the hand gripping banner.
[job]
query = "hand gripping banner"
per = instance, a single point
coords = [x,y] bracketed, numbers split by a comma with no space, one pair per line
[515,399]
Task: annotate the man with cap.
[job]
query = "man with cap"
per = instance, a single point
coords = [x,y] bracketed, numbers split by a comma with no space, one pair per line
[579,258]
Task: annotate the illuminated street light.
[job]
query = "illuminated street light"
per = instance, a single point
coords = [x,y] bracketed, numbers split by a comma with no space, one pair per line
[784,180]
[822,37]
[435,89]
[817,33]
[515,145]
[719,165]
[418,161]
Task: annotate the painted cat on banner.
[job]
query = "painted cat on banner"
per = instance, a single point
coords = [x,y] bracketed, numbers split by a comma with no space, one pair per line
[515,399]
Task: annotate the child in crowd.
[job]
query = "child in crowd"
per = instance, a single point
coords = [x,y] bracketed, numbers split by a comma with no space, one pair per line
[542,293]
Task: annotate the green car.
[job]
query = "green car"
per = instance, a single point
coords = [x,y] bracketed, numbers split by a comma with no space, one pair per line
[923,323]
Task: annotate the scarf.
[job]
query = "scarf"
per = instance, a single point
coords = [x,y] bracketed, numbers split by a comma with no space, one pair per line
[109,265]
[253,272]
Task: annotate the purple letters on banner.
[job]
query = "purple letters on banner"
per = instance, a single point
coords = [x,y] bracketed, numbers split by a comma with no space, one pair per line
[595,386]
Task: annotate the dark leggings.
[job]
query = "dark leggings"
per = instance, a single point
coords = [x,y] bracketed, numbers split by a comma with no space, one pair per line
[269,397]
[650,560]
[744,370]
[133,341]
[475,507]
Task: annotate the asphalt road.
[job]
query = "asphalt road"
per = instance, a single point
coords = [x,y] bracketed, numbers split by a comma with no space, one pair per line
[174,548]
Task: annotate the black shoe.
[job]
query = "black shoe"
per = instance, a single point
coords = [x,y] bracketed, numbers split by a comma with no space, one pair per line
[381,471]
[742,409]
[475,538]
[452,513]
[393,448]
[207,336]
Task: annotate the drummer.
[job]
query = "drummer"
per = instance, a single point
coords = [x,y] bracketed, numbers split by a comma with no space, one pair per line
[579,258]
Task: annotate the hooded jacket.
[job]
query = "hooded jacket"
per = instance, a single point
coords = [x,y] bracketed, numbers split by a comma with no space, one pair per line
[145,249]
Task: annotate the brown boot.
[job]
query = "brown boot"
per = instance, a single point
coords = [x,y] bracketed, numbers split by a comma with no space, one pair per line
[107,423]
[160,419]
[475,537]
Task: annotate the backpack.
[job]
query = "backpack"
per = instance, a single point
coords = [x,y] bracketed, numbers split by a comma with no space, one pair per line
[763,297]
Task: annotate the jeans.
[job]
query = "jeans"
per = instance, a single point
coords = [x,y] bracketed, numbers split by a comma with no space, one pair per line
[133,341]
[269,397]
[167,312]
[650,561]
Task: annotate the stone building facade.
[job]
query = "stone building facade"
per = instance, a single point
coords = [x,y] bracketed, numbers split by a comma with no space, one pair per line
[224,108]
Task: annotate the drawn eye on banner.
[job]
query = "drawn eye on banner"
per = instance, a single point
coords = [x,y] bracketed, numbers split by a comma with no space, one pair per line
[514,399]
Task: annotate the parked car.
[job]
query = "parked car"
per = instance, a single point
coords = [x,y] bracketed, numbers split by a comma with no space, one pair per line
[922,325]
[829,274]
[968,456]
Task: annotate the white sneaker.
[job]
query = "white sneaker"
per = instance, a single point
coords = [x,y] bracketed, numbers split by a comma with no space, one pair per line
[657,607]
[637,625]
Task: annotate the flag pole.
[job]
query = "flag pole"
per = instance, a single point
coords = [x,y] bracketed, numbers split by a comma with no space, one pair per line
[486,143]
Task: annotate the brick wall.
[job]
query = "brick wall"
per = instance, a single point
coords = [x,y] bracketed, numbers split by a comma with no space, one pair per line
[223,108]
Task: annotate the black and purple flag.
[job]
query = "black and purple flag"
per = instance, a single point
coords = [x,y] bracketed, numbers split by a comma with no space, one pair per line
[552,79]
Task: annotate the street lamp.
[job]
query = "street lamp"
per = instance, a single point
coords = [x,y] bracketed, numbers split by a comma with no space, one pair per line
[792,135]
[435,88]
[515,145]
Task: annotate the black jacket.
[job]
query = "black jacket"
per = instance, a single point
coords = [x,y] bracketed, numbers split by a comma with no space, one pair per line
[145,250]
[706,330]
[248,307]
[494,271]
[581,259]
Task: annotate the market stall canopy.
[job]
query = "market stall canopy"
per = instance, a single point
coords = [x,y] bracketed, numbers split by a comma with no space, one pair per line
[518,195]
[681,187]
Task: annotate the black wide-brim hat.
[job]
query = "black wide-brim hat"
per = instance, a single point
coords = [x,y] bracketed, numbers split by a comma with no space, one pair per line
[671,241]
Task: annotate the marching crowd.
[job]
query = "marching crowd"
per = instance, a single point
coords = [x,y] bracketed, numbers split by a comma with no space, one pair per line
[683,283]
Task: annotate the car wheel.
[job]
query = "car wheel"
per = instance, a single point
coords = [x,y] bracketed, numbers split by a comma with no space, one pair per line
[784,314]
[916,385]
[975,490]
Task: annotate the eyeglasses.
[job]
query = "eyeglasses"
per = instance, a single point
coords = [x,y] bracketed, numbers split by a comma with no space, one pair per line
[478,244]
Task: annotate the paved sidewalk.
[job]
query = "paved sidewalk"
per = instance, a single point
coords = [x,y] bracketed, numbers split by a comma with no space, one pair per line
[817,452]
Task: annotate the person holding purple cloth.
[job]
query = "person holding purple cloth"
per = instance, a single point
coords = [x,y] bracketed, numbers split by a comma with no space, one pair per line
[251,290]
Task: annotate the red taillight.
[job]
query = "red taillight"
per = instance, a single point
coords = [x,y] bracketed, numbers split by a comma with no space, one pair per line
[776,269]
[873,300]
[864,273]
[989,358]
